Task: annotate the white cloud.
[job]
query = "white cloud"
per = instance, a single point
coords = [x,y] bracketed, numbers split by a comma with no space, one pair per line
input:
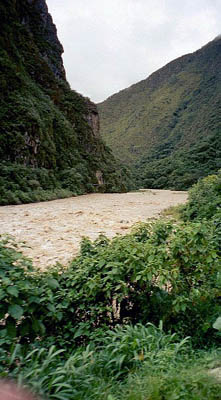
[110,45]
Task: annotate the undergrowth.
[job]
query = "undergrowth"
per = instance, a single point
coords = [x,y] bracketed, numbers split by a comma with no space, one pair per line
[136,317]
[139,362]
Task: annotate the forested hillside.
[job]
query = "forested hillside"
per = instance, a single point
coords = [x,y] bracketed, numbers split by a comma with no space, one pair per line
[169,125]
[49,134]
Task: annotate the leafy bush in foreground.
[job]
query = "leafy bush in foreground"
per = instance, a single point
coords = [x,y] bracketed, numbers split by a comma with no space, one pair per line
[87,331]
[204,199]
[172,276]
[159,272]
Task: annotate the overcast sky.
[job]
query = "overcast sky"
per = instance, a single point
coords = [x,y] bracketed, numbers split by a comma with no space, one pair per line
[111,44]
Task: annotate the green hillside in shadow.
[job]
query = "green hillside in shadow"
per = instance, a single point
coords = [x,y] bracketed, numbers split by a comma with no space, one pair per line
[169,125]
[49,134]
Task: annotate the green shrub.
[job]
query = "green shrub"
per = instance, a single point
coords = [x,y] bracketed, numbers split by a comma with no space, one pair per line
[204,198]
[159,272]
[171,275]
[26,297]
[83,331]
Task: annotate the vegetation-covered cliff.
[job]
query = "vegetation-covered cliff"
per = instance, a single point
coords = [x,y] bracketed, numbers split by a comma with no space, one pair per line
[169,125]
[49,135]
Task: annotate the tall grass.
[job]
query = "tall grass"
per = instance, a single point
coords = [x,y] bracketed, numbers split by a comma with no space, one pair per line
[139,362]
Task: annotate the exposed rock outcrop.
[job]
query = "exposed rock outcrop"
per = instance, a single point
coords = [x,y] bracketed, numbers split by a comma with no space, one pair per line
[93,117]
[45,27]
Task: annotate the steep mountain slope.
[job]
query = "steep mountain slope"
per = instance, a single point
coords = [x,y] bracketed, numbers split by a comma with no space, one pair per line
[49,135]
[171,120]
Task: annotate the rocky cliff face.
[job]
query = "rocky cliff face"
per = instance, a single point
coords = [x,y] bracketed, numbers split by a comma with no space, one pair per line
[93,118]
[39,22]
[49,133]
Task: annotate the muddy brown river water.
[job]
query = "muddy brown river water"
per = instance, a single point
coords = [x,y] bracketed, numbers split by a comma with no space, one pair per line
[52,230]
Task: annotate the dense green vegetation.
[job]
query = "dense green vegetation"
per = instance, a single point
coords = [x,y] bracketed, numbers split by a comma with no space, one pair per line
[204,199]
[49,146]
[168,125]
[181,169]
[136,317]
[24,184]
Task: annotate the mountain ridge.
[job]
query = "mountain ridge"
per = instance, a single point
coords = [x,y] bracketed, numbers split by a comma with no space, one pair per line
[175,108]
[170,63]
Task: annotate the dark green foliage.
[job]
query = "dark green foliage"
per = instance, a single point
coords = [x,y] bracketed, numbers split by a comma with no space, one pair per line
[24,296]
[23,184]
[181,169]
[133,362]
[186,380]
[160,272]
[120,350]
[168,126]
[44,125]
[204,199]
[89,331]
[127,280]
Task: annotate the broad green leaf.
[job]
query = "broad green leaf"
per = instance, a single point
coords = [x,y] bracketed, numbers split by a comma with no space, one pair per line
[12,290]
[51,307]
[3,333]
[2,294]
[6,281]
[34,299]
[15,311]
[59,316]
[52,283]
[217,324]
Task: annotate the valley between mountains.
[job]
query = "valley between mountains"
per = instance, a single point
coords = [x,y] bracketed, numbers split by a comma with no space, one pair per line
[51,231]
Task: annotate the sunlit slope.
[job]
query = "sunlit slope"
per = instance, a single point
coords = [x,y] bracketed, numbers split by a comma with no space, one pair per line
[175,108]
